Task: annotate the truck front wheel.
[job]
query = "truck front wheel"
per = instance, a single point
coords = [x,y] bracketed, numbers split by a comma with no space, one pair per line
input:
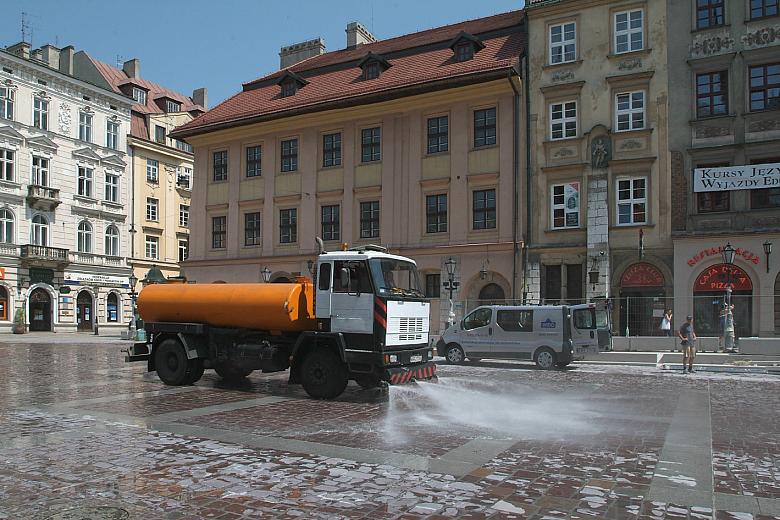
[171,363]
[323,375]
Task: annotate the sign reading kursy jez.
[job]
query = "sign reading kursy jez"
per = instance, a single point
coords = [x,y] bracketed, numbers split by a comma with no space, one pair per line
[728,178]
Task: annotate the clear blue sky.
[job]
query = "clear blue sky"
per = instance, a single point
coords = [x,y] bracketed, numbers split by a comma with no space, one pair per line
[219,44]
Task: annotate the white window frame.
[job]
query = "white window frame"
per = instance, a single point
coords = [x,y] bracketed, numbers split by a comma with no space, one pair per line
[564,205]
[85,177]
[84,237]
[112,134]
[152,247]
[7,225]
[152,170]
[7,99]
[7,164]
[184,172]
[112,188]
[41,110]
[39,231]
[631,200]
[139,95]
[111,242]
[562,44]
[629,31]
[631,111]
[184,215]
[172,106]
[564,120]
[40,171]
[85,126]
[184,245]
[152,209]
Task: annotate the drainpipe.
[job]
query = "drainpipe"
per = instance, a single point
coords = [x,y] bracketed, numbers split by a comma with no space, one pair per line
[132,204]
[515,174]
[527,170]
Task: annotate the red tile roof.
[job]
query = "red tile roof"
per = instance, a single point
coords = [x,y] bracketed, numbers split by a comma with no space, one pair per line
[416,60]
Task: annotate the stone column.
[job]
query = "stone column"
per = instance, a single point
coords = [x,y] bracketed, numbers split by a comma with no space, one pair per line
[598,234]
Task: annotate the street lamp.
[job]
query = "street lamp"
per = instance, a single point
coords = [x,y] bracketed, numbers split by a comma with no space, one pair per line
[266,274]
[133,281]
[451,286]
[728,253]
[767,252]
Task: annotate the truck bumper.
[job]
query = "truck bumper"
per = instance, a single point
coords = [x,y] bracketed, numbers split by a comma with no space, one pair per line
[402,375]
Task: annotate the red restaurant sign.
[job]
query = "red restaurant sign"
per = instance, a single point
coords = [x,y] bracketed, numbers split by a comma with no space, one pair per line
[715,278]
[642,275]
[716,251]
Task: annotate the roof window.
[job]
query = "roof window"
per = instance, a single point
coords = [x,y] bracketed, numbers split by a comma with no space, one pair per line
[373,65]
[290,83]
[464,46]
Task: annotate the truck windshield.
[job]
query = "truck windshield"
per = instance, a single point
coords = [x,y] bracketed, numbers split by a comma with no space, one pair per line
[395,277]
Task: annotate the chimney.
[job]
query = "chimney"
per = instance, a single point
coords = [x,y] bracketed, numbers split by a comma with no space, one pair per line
[66,60]
[358,35]
[298,52]
[37,54]
[200,96]
[132,68]
[51,55]
[21,49]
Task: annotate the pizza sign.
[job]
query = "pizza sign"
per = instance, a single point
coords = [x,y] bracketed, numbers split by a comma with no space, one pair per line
[720,277]
[642,275]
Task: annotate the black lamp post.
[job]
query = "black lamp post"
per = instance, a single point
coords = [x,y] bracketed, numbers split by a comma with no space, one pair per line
[767,252]
[451,286]
[728,253]
[133,281]
[266,274]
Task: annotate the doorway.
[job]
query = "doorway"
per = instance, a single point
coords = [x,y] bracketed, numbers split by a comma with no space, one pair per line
[40,310]
[84,314]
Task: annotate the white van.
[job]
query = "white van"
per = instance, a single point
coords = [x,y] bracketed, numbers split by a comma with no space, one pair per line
[550,335]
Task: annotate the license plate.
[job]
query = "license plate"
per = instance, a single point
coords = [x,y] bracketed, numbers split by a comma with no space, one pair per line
[417,358]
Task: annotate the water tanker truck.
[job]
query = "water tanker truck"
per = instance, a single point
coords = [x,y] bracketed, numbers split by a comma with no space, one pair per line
[364,318]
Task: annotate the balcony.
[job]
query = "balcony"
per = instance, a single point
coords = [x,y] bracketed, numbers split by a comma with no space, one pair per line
[93,259]
[43,198]
[44,255]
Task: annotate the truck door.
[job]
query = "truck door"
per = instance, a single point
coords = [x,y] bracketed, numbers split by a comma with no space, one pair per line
[323,298]
[583,331]
[514,333]
[352,305]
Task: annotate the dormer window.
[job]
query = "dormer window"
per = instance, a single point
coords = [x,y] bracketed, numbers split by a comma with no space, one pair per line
[139,95]
[289,88]
[290,83]
[464,46]
[371,70]
[172,106]
[373,65]
[464,51]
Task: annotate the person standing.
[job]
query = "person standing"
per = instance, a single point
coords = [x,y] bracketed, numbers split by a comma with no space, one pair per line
[688,337]
[722,326]
[666,323]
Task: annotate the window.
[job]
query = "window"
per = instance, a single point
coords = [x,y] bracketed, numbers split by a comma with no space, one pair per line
[712,94]
[765,87]
[183,177]
[464,51]
[371,145]
[159,134]
[3,304]
[369,219]
[563,43]
[629,31]
[7,96]
[289,88]
[484,127]
[709,13]
[112,307]
[85,127]
[152,247]
[585,319]
[767,197]
[6,164]
[85,181]
[220,166]
[438,134]
[632,201]
[39,231]
[218,232]
[40,113]
[433,285]
[565,205]
[172,106]
[290,155]
[563,120]
[331,227]
[371,70]
[331,150]
[40,171]
[360,280]
[181,145]
[112,134]
[6,226]
[713,201]
[436,213]
[323,280]
[139,95]
[516,320]
[112,187]
[152,206]
[184,215]
[84,238]
[478,318]
[763,8]
[252,229]
[254,156]
[288,226]
[152,170]
[630,111]
[184,247]
[112,241]
[484,209]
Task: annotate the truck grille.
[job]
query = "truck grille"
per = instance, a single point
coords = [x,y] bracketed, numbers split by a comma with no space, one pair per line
[411,329]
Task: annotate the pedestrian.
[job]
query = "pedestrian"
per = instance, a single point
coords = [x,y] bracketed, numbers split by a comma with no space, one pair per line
[729,334]
[666,323]
[688,342]
[724,310]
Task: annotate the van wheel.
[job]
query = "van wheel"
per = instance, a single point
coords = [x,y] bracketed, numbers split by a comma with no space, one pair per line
[545,358]
[229,371]
[171,363]
[323,375]
[454,354]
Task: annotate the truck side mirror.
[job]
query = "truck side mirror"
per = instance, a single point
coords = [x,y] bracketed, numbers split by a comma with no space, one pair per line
[345,278]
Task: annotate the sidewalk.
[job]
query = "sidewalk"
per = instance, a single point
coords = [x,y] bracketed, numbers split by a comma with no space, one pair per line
[703,360]
[63,338]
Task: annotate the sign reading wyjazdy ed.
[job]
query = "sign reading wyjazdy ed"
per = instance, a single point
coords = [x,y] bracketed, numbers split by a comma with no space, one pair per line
[728,178]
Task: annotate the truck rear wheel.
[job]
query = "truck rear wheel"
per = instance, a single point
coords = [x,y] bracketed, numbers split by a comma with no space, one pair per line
[230,371]
[323,375]
[170,360]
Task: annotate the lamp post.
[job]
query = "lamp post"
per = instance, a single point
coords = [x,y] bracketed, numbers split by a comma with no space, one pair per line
[728,253]
[451,286]
[95,310]
[767,252]
[133,281]
[266,274]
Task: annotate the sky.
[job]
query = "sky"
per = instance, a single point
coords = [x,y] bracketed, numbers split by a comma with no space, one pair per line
[220,44]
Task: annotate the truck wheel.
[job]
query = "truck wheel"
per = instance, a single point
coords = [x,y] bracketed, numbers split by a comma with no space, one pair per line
[367,381]
[454,354]
[323,375]
[196,370]
[230,371]
[171,363]
[545,358]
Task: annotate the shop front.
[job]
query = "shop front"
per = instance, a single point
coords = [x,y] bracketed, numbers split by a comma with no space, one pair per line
[642,300]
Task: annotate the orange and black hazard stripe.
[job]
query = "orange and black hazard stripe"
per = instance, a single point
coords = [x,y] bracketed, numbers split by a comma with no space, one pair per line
[406,375]
[380,315]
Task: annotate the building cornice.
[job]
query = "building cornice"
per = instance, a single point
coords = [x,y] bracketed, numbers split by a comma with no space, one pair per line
[159,148]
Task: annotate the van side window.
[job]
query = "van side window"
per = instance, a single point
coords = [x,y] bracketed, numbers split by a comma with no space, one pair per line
[324,280]
[360,280]
[478,318]
[516,321]
[584,319]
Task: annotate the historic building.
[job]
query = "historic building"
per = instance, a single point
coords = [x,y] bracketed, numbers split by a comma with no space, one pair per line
[414,143]
[64,194]
[724,134]
[599,163]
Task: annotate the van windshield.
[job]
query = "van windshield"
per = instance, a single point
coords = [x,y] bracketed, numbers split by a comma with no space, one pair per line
[395,277]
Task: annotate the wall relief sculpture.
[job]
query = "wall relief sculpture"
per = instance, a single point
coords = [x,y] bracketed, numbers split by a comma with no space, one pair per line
[764,126]
[711,131]
[760,37]
[564,152]
[562,75]
[711,45]
[600,152]
[64,118]
[630,64]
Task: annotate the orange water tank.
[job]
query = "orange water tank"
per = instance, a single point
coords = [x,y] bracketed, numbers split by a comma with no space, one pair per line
[285,307]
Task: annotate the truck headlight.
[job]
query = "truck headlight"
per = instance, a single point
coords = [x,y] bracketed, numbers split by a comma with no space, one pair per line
[392,358]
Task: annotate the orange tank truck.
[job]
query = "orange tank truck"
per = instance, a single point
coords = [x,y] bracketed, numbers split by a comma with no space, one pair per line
[283,307]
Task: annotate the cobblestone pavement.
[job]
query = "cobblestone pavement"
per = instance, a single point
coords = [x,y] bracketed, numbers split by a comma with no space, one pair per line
[85,436]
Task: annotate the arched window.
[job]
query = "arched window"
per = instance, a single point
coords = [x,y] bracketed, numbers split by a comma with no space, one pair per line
[112,241]
[3,304]
[491,294]
[39,233]
[6,226]
[112,307]
[84,237]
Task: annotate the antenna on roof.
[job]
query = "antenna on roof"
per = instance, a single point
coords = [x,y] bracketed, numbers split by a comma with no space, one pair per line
[26,28]
[119,61]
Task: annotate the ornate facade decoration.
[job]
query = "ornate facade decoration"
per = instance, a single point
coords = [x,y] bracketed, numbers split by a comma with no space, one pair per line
[712,45]
[712,131]
[764,126]
[760,37]
[564,152]
[631,144]
[563,75]
[600,152]
[630,64]
[64,118]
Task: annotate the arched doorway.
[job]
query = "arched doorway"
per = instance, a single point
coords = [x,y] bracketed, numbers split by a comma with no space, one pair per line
[84,314]
[112,307]
[642,300]
[4,312]
[40,310]
[491,294]
[709,294]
